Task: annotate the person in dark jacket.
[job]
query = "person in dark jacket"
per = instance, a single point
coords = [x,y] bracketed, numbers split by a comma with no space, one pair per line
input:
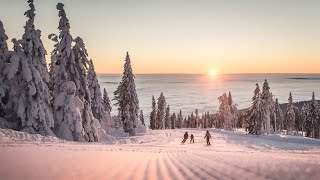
[192,138]
[185,137]
[208,136]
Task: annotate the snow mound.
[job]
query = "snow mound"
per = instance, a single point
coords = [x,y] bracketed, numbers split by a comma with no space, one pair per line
[10,136]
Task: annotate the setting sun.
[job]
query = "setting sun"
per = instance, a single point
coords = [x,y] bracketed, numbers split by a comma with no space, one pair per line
[213,72]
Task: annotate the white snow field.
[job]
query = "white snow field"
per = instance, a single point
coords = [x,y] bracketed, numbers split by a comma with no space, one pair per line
[160,155]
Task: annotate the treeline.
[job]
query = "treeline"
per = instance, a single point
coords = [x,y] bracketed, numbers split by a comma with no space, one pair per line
[265,116]
[65,100]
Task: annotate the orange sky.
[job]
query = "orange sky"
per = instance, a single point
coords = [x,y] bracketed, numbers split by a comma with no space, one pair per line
[185,36]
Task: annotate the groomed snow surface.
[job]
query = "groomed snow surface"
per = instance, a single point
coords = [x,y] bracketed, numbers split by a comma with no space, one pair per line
[160,155]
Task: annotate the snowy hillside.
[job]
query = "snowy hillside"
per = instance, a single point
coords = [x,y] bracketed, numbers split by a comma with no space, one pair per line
[160,155]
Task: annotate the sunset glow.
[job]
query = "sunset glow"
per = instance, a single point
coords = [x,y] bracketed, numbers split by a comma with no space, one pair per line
[213,72]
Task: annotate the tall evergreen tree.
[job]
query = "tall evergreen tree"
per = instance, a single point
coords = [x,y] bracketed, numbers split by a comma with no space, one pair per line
[167,119]
[127,99]
[278,122]
[179,123]
[161,112]
[256,114]
[153,114]
[4,53]
[97,107]
[290,115]
[173,121]
[230,100]
[225,112]
[312,118]
[267,102]
[54,56]
[141,118]
[3,47]
[29,106]
[72,100]
[303,117]
[106,101]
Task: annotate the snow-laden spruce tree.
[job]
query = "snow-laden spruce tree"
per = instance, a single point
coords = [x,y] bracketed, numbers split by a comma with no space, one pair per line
[26,74]
[233,110]
[267,105]
[185,123]
[278,121]
[167,118]
[290,115]
[173,121]
[256,113]
[312,118]
[106,101]
[303,117]
[153,115]
[127,99]
[179,122]
[3,48]
[141,118]
[4,53]
[161,111]
[225,112]
[72,102]
[54,56]
[95,93]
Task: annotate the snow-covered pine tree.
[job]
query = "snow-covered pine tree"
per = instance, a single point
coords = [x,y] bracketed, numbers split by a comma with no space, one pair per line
[95,93]
[233,110]
[127,99]
[54,56]
[153,114]
[303,117]
[225,112]
[278,122]
[312,118]
[4,54]
[173,121]
[72,101]
[256,114]
[141,118]
[267,105]
[29,106]
[193,123]
[179,123]
[3,48]
[106,101]
[290,115]
[185,123]
[230,100]
[161,111]
[167,118]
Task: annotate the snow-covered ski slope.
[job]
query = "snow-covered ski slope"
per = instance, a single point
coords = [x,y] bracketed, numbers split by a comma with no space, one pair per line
[160,155]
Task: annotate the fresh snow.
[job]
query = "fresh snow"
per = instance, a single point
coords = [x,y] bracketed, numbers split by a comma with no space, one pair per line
[159,154]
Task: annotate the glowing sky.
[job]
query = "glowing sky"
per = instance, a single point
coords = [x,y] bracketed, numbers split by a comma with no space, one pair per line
[185,36]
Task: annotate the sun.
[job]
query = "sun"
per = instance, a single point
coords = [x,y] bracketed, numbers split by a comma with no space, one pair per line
[213,72]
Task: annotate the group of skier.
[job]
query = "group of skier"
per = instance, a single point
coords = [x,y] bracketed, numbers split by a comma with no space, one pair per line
[186,136]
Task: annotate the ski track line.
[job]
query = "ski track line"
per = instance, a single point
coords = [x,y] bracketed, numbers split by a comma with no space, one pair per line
[120,168]
[137,168]
[195,163]
[185,172]
[221,165]
[194,168]
[174,171]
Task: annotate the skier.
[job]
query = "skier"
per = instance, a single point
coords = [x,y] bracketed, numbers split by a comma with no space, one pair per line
[185,137]
[208,136]
[192,138]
